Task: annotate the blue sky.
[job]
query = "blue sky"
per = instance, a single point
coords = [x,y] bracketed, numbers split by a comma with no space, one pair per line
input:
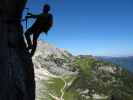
[96,27]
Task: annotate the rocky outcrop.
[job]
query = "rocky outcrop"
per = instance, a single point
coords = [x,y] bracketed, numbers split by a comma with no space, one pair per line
[16,68]
[51,63]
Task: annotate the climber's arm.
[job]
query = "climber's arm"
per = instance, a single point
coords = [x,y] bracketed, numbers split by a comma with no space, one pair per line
[35,37]
[30,15]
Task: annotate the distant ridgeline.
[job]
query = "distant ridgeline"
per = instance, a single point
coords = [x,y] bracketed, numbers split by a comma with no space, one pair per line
[126,62]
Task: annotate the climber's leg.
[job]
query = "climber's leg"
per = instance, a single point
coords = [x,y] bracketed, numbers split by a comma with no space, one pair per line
[35,37]
[28,39]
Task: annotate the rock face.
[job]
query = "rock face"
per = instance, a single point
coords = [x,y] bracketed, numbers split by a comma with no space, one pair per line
[16,68]
[50,62]
[51,59]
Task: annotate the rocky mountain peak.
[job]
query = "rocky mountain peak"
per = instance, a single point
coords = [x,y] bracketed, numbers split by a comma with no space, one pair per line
[47,49]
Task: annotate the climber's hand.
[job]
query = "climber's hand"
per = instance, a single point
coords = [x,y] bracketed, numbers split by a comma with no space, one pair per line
[29,14]
[26,17]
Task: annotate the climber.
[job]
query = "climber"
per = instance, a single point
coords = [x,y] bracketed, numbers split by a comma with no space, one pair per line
[43,23]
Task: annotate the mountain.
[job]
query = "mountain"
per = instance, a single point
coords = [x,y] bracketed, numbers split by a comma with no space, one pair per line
[126,62]
[62,76]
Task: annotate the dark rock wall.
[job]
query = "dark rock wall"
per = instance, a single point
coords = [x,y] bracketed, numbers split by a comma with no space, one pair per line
[16,67]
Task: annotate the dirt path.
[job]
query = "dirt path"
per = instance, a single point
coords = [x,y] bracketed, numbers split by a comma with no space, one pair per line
[61,90]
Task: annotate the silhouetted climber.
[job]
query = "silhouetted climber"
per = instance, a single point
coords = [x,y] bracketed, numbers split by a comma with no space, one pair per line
[43,23]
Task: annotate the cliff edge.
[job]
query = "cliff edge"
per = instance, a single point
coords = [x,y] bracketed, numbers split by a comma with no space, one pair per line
[16,67]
